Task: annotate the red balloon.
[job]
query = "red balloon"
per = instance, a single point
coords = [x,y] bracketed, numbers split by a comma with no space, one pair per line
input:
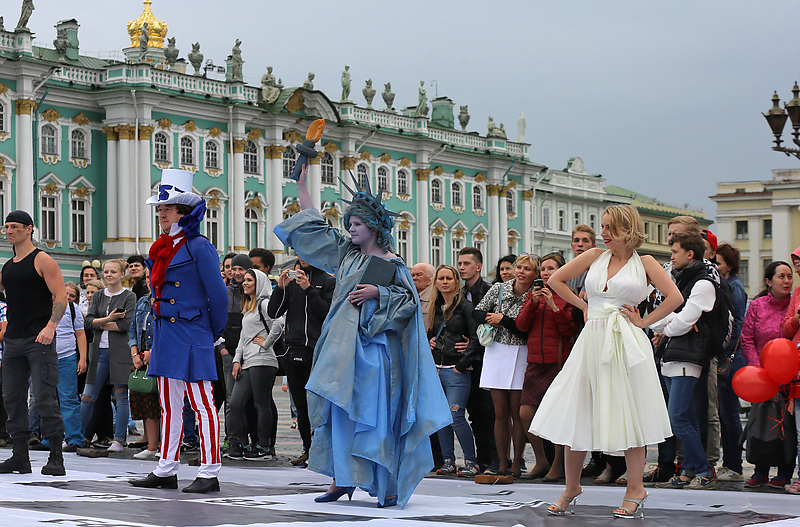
[781,360]
[753,384]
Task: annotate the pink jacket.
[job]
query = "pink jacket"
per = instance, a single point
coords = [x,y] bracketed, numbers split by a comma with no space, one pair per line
[762,323]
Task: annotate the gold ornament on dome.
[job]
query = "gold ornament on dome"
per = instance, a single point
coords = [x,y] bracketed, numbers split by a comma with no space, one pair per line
[164,123]
[293,136]
[385,157]
[254,134]
[51,115]
[365,156]
[480,177]
[156,29]
[215,132]
[405,162]
[438,170]
[81,119]
[458,174]
[330,146]
[296,103]
[190,126]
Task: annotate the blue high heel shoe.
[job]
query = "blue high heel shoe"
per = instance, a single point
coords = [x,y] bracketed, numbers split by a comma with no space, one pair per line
[388,502]
[336,494]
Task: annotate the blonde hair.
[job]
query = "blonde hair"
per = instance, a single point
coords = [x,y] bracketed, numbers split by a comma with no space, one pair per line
[249,304]
[689,222]
[528,258]
[121,263]
[97,284]
[437,299]
[625,222]
[74,287]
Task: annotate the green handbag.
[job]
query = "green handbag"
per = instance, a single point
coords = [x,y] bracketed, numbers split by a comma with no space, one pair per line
[139,381]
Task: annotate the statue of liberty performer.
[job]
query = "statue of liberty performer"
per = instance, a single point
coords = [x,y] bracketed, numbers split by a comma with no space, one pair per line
[372,433]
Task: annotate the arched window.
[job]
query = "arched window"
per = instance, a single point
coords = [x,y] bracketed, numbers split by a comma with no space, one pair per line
[289,159]
[436,191]
[593,221]
[511,203]
[160,150]
[326,164]
[362,175]
[49,138]
[383,179]
[251,158]
[456,196]
[212,155]
[562,220]
[477,198]
[78,144]
[212,226]
[187,151]
[402,183]
[576,216]
[546,217]
[251,227]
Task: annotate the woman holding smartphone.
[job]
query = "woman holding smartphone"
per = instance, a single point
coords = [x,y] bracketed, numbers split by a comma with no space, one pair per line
[109,318]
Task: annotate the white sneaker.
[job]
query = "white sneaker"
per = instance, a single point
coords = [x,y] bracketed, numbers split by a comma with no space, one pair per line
[148,455]
[115,446]
[726,474]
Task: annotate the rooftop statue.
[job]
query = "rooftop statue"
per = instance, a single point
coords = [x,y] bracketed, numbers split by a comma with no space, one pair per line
[422,105]
[143,38]
[463,118]
[369,93]
[25,15]
[61,43]
[236,62]
[494,131]
[521,124]
[388,96]
[269,88]
[2,24]
[171,53]
[346,84]
[309,82]
[196,58]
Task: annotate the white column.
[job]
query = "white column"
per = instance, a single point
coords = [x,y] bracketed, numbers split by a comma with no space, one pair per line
[125,187]
[493,243]
[237,195]
[782,234]
[145,210]
[24,130]
[112,208]
[527,222]
[275,196]
[503,210]
[315,181]
[755,271]
[423,226]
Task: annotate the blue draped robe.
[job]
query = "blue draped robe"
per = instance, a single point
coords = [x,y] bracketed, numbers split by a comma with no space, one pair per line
[374,395]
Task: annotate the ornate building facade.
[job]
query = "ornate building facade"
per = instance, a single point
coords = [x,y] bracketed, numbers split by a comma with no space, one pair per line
[83,142]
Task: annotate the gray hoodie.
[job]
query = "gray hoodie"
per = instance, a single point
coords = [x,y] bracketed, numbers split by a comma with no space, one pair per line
[248,353]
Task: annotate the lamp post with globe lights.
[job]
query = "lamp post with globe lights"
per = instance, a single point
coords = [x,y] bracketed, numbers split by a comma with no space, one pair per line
[776,118]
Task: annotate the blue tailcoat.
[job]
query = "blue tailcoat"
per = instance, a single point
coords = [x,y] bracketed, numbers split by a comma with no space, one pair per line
[194,310]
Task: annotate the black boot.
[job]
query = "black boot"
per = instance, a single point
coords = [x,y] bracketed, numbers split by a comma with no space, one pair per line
[55,463]
[19,460]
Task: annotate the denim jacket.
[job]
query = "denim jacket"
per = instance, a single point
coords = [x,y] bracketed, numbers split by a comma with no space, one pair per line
[141,316]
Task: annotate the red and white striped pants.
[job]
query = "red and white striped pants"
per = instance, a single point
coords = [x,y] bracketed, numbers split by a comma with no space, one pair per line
[171,393]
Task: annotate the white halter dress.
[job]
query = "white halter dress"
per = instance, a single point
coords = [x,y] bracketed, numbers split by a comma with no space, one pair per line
[608,396]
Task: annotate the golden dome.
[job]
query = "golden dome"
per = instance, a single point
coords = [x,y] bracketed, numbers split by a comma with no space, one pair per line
[155,28]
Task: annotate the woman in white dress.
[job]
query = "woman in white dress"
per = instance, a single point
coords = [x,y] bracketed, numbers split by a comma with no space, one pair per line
[608,397]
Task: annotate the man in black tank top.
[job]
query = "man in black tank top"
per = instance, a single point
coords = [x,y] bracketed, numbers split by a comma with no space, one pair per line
[36,299]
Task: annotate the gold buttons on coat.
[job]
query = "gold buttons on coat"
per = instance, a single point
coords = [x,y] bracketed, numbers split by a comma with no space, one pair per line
[172,319]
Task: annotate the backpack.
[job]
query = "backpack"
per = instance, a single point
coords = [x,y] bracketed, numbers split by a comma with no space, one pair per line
[718,323]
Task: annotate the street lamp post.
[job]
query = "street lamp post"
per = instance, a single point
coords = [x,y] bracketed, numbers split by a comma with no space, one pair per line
[776,118]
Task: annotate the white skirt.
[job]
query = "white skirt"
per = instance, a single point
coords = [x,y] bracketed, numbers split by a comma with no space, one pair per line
[504,366]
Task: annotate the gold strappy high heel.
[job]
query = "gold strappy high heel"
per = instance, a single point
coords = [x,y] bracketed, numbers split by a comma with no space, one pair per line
[631,514]
[556,510]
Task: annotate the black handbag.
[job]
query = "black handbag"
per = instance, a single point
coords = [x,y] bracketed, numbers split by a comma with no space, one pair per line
[770,434]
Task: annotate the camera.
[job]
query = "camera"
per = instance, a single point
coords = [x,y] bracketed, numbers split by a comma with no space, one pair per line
[291,275]
[538,283]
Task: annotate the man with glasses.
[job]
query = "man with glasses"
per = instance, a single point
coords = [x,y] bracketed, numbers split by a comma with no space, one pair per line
[37,300]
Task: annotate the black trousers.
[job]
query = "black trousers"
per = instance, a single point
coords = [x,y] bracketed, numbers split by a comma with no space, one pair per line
[25,358]
[254,383]
[298,370]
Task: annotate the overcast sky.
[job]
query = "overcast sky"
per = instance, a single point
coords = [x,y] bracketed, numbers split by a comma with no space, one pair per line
[663,97]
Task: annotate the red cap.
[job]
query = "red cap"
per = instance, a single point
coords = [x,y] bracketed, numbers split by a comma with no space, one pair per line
[711,237]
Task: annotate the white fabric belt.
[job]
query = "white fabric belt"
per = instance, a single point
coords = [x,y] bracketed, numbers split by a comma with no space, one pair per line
[620,337]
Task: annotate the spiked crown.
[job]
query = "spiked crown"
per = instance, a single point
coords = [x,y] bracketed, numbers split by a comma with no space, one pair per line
[364,197]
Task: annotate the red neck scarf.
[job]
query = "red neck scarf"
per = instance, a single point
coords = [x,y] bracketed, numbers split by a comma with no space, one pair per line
[162,252]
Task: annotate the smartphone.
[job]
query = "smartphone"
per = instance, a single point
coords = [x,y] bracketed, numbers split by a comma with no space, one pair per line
[291,275]
[118,310]
[538,283]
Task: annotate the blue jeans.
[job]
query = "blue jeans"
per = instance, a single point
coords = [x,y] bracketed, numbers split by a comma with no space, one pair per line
[456,389]
[683,418]
[91,391]
[729,420]
[68,399]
